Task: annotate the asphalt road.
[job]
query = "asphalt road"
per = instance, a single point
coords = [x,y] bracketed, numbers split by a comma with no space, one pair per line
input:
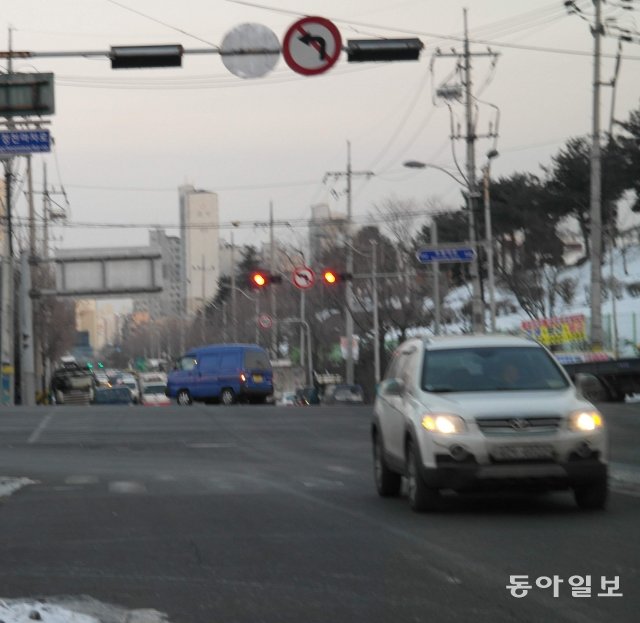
[249,514]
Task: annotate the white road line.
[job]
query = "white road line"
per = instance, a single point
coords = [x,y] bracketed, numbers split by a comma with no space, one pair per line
[35,435]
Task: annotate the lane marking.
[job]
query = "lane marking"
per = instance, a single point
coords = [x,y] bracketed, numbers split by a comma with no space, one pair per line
[33,438]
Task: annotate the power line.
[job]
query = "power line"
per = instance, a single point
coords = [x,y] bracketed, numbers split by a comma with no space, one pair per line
[231,225]
[157,21]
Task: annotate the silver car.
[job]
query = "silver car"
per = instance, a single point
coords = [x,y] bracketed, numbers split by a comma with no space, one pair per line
[484,412]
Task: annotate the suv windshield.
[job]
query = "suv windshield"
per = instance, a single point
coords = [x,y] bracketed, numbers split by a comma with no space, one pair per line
[490,369]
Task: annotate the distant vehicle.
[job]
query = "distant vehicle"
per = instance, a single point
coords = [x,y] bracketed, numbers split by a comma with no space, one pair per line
[118,395]
[609,380]
[101,379]
[343,394]
[154,395]
[128,380]
[222,372]
[71,384]
[478,412]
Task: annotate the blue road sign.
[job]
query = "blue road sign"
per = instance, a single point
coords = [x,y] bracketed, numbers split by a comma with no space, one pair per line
[454,254]
[19,142]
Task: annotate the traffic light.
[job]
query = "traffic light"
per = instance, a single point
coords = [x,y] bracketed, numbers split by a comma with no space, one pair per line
[140,56]
[261,279]
[332,277]
[359,50]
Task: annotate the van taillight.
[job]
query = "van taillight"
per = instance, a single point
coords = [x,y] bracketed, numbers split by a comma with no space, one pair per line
[243,378]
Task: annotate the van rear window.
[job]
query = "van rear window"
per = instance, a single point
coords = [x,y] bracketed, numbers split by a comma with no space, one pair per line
[256,359]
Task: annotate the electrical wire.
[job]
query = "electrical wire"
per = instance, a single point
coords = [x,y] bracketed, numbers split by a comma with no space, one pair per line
[280,223]
[157,21]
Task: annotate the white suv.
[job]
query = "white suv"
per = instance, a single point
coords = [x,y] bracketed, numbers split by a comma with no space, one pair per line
[476,412]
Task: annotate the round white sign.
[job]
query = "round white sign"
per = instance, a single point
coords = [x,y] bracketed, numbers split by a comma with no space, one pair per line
[240,41]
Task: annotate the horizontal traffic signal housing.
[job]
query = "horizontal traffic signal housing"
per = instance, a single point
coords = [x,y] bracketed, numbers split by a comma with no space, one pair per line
[262,279]
[332,277]
[360,50]
[141,56]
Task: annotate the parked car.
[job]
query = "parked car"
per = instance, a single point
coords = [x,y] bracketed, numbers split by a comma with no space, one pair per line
[222,372]
[119,395]
[477,412]
[343,394]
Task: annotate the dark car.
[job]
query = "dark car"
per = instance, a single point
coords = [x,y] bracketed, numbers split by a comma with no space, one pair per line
[119,395]
[343,394]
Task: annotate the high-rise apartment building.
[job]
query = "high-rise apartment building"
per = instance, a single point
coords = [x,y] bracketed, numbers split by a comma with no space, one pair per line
[325,229]
[200,242]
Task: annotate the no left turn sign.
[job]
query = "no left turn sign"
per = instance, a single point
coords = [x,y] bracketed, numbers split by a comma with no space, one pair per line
[311,45]
[303,277]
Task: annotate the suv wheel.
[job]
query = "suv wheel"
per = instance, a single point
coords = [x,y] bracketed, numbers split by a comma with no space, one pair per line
[227,397]
[387,482]
[184,398]
[421,497]
[592,496]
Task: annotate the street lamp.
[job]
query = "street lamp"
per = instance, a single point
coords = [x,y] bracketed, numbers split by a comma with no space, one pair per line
[476,302]
[489,238]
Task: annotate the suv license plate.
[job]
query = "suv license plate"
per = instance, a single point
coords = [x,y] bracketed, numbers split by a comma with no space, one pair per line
[257,378]
[521,453]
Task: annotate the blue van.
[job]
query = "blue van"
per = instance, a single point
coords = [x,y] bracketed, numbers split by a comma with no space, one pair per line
[224,373]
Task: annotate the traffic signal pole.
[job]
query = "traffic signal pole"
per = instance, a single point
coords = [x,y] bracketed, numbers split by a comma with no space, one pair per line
[349,359]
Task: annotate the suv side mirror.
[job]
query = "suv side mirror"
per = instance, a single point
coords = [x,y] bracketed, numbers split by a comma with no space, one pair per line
[394,387]
[590,387]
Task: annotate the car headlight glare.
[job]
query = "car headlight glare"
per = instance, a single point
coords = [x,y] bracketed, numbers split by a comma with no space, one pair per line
[443,423]
[585,421]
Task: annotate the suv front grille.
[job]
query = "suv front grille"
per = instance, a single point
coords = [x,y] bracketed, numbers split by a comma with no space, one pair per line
[530,425]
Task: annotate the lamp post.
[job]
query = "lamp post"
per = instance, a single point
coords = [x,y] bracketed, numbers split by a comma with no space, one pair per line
[416,164]
[234,308]
[489,239]
[376,320]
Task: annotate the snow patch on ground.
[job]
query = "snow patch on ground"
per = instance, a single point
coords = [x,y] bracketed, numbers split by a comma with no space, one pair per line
[11,485]
[73,610]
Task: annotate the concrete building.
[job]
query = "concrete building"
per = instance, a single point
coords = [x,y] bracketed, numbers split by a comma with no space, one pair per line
[87,319]
[325,229]
[169,302]
[200,257]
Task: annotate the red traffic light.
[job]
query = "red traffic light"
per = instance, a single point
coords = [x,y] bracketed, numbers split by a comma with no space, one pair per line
[259,280]
[330,277]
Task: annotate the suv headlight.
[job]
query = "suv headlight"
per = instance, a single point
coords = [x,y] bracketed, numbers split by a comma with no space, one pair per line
[585,421]
[444,423]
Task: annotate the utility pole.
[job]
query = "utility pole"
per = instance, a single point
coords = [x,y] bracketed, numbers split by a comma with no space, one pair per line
[272,267]
[349,173]
[476,303]
[234,319]
[436,279]
[376,318]
[473,194]
[596,190]
[7,337]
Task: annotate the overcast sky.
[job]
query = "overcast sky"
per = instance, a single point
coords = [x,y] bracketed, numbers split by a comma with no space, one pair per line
[125,140]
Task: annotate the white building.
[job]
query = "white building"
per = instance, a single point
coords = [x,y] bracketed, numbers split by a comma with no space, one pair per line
[199,233]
